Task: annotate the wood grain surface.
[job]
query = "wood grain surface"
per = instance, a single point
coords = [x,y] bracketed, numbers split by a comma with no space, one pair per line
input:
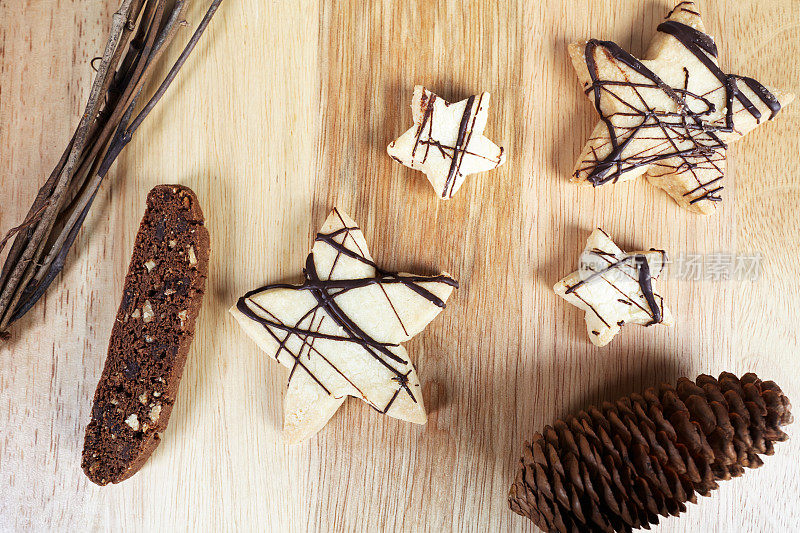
[284,111]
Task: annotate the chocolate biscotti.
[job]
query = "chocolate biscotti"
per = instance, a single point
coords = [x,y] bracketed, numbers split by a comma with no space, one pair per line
[151,336]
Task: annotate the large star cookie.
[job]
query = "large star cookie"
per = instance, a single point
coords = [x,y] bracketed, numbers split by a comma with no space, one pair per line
[340,331]
[446,141]
[670,117]
[615,288]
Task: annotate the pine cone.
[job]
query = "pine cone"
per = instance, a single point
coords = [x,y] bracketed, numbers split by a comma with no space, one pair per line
[618,467]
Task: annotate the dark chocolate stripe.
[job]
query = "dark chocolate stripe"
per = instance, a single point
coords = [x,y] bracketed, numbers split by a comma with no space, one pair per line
[455,163]
[702,45]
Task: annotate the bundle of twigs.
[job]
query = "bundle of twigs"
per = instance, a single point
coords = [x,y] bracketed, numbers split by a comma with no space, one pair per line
[140,33]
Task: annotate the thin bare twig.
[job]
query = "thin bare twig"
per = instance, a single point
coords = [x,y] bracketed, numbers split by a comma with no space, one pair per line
[178,64]
[97,152]
[22,272]
[31,219]
[148,56]
[140,34]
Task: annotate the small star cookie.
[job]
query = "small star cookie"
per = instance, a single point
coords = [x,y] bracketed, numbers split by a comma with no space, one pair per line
[615,288]
[670,117]
[446,141]
[340,331]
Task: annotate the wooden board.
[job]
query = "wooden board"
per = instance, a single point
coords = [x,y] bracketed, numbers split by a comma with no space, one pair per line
[284,111]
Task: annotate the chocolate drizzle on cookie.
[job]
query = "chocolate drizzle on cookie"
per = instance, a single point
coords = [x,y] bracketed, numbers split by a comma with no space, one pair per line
[687,139]
[424,140]
[642,276]
[326,291]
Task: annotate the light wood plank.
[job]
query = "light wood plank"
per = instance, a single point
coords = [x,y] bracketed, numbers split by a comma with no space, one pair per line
[284,111]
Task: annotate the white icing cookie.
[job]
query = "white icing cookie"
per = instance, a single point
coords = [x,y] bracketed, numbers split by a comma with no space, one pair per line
[614,288]
[446,141]
[669,117]
[340,331]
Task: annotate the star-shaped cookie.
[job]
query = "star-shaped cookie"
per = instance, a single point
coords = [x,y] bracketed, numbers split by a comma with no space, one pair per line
[669,117]
[339,332]
[615,288]
[446,141]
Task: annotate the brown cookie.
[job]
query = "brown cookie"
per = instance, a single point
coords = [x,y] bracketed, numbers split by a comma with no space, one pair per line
[151,336]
